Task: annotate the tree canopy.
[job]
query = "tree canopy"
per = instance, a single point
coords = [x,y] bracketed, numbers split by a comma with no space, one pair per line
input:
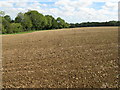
[31,20]
[8,18]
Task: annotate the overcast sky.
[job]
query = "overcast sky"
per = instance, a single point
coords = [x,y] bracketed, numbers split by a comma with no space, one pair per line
[71,10]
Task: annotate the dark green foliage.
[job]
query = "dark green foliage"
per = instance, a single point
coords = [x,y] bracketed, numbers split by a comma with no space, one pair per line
[8,18]
[4,30]
[19,18]
[61,23]
[31,20]
[67,25]
[5,23]
[38,20]
[54,24]
[26,23]
[94,24]
[15,28]
[49,21]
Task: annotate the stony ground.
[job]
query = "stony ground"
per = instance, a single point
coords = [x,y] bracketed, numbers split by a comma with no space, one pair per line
[71,58]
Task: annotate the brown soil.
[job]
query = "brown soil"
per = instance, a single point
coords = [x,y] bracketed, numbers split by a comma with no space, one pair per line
[71,58]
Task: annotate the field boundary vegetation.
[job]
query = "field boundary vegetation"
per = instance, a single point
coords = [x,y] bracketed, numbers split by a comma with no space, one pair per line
[32,20]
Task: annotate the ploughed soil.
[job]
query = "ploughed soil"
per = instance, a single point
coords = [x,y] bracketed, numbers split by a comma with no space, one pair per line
[67,58]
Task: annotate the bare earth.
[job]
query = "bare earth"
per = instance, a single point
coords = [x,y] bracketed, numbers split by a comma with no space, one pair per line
[71,58]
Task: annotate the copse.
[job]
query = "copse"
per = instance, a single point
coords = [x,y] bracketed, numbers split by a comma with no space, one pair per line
[31,20]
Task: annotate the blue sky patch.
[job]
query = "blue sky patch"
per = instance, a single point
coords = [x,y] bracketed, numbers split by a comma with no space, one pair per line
[97,5]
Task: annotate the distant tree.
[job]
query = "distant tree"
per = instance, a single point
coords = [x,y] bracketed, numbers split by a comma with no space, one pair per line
[5,23]
[44,23]
[54,24]
[61,23]
[15,28]
[113,23]
[49,21]
[38,20]
[67,25]
[72,25]
[19,18]
[94,24]
[3,30]
[8,18]
[26,23]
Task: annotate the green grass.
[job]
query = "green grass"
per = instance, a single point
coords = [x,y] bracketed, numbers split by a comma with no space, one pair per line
[26,32]
[18,33]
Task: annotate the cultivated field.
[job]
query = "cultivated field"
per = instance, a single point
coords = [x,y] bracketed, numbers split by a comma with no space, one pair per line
[71,58]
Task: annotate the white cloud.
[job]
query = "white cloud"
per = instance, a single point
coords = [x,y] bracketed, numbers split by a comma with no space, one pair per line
[111,6]
[5,4]
[70,10]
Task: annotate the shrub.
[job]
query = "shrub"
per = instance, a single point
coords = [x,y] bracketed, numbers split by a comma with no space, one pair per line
[15,28]
[3,30]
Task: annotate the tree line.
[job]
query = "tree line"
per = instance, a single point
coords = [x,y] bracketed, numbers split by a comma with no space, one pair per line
[31,20]
[95,24]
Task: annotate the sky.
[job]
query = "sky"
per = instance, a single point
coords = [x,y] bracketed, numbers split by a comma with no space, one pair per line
[72,11]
